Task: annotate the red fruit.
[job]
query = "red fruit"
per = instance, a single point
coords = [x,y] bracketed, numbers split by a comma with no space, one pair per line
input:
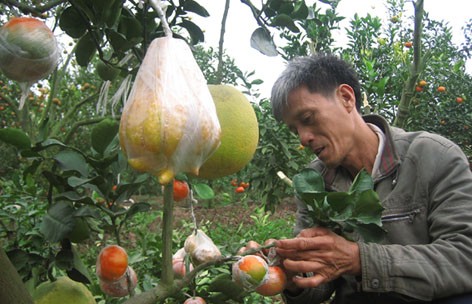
[121,287]
[234,182]
[112,263]
[441,89]
[408,44]
[195,300]
[418,89]
[181,190]
[275,283]
[178,265]
[239,190]
[459,99]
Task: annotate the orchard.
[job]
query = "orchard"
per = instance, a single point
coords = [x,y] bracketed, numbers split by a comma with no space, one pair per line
[116,115]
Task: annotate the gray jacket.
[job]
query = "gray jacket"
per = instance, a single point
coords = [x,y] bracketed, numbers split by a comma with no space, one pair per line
[426,189]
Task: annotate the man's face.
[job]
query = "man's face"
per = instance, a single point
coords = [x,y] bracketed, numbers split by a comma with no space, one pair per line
[323,123]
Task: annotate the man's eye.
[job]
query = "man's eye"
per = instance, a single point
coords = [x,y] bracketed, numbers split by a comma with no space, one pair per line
[306,120]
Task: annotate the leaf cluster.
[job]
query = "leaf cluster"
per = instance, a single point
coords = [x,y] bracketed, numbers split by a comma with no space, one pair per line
[357,210]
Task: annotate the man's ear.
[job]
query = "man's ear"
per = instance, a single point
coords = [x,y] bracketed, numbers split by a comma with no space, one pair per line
[346,94]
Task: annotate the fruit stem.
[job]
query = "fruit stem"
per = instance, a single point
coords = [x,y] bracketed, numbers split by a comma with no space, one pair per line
[157,5]
[167,276]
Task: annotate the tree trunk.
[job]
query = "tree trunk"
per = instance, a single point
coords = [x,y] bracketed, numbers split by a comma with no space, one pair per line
[12,289]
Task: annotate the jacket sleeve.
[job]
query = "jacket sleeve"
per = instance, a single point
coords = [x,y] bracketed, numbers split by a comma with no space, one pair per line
[442,266]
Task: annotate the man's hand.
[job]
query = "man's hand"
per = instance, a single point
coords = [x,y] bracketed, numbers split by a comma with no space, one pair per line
[322,252]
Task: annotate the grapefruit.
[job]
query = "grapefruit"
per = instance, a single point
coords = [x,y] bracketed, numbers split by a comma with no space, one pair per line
[239,133]
[63,290]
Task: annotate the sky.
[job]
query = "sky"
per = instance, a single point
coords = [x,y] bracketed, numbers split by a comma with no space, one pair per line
[240,25]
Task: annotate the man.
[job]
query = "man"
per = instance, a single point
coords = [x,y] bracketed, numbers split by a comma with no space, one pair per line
[423,181]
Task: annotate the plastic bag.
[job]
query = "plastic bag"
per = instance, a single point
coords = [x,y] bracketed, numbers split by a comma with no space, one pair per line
[169,123]
[201,248]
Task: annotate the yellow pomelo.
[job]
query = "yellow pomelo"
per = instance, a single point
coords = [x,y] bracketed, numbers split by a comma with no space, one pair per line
[63,290]
[239,133]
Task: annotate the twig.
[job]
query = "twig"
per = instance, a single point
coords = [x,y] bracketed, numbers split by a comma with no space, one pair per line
[156,4]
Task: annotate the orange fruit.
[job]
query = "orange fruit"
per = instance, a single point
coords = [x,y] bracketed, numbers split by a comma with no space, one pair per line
[441,89]
[422,83]
[112,263]
[408,44]
[459,99]
[418,89]
[181,190]
[275,284]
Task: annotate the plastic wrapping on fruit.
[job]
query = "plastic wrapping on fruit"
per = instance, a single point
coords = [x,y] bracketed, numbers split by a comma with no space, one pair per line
[201,248]
[169,124]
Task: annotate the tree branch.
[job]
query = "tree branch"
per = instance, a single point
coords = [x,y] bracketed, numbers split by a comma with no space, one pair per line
[219,71]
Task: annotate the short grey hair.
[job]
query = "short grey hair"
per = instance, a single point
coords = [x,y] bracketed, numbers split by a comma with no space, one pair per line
[321,73]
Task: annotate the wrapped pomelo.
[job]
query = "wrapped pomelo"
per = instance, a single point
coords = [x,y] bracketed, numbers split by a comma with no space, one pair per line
[169,123]
[28,51]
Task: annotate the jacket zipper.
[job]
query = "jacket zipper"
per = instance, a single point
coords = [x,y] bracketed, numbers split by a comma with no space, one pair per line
[401,216]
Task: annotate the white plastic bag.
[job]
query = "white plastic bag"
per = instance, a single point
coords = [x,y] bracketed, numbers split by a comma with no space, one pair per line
[169,123]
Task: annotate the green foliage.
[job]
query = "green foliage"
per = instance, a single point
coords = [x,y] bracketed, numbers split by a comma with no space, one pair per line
[357,210]
[278,150]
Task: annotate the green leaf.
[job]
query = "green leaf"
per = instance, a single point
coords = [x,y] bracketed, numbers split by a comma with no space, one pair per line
[367,208]
[262,41]
[113,14]
[194,30]
[340,205]
[368,232]
[15,137]
[72,23]
[362,182]
[69,160]
[85,50]
[79,271]
[284,20]
[308,181]
[103,134]
[223,283]
[300,11]
[75,181]
[203,191]
[118,41]
[131,28]
[193,6]
[57,223]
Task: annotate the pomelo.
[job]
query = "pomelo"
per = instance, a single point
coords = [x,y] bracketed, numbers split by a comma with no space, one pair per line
[63,290]
[239,133]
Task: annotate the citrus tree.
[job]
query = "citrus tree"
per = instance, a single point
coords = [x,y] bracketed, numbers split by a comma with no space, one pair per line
[71,169]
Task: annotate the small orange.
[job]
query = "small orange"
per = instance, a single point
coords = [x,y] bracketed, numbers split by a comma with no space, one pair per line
[408,44]
[459,99]
[441,89]
[422,83]
[239,190]
[112,263]
[418,89]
